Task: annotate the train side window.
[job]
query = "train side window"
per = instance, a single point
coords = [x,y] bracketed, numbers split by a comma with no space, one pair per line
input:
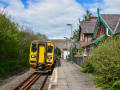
[50,48]
[34,47]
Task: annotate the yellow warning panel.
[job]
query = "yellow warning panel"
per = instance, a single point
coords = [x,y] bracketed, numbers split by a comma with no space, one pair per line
[41,54]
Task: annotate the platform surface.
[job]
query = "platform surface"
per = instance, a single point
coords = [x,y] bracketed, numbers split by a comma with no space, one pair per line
[68,76]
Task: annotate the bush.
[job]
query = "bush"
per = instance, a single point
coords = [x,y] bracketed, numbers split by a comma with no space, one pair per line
[116,85]
[88,68]
[105,61]
[68,58]
[8,66]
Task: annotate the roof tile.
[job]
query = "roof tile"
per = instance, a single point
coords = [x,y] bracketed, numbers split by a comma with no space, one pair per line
[87,26]
[111,20]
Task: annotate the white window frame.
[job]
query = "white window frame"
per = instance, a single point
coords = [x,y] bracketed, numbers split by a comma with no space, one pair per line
[85,52]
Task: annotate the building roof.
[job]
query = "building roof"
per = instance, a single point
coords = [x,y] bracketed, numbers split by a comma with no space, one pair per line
[111,20]
[87,26]
[118,29]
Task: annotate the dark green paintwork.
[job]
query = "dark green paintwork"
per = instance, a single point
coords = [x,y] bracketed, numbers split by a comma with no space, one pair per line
[100,19]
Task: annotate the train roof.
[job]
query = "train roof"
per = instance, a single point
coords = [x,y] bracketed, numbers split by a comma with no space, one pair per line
[43,41]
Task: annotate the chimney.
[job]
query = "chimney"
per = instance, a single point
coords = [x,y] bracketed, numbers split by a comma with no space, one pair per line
[93,18]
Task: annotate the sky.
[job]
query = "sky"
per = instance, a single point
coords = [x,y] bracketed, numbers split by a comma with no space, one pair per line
[50,17]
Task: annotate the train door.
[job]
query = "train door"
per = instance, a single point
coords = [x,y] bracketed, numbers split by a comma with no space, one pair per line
[41,55]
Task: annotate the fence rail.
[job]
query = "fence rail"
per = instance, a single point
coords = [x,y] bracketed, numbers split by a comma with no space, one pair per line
[78,60]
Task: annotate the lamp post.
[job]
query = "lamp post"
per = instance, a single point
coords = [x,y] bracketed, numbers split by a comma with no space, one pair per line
[70,43]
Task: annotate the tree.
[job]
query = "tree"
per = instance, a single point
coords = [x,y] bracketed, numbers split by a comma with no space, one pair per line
[75,35]
[14,45]
[87,16]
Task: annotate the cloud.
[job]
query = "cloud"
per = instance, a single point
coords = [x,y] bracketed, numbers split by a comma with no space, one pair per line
[106,7]
[46,16]
[51,16]
[93,7]
[111,6]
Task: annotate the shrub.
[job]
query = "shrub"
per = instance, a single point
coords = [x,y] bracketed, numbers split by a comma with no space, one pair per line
[116,85]
[68,58]
[105,61]
[88,68]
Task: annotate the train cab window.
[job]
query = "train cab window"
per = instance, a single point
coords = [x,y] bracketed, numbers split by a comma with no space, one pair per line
[50,48]
[34,47]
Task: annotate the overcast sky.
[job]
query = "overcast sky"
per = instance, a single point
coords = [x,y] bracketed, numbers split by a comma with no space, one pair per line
[51,16]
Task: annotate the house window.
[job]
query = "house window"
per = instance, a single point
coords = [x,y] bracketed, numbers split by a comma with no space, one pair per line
[82,37]
[85,51]
[91,48]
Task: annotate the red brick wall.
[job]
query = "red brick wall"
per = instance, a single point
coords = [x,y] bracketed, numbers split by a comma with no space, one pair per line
[101,30]
[82,43]
[93,19]
[86,39]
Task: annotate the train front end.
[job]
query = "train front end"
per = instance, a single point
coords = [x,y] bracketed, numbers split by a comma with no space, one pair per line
[42,55]
[33,54]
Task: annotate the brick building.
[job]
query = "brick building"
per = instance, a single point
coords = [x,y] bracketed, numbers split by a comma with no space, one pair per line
[86,31]
[107,25]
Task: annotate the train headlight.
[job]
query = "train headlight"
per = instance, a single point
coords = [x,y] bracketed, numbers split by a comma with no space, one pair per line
[49,57]
[33,56]
[49,60]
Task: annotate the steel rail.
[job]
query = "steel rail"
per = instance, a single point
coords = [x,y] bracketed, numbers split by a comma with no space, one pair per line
[21,84]
[43,83]
[28,84]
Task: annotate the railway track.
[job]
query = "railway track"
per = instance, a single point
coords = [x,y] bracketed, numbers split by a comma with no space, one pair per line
[35,78]
[43,83]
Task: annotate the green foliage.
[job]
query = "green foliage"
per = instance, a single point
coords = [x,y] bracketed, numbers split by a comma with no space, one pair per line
[81,51]
[105,60]
[75,35]
[9,66]
[14,45]
[88,68]
[87,15]
[73,51]
[59,53]
[116,85]
[68,58]
[1,81]
[75,39]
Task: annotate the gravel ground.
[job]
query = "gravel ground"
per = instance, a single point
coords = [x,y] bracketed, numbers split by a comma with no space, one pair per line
[13,81]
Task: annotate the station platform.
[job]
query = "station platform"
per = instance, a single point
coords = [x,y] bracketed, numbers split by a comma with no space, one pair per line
[68,76]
